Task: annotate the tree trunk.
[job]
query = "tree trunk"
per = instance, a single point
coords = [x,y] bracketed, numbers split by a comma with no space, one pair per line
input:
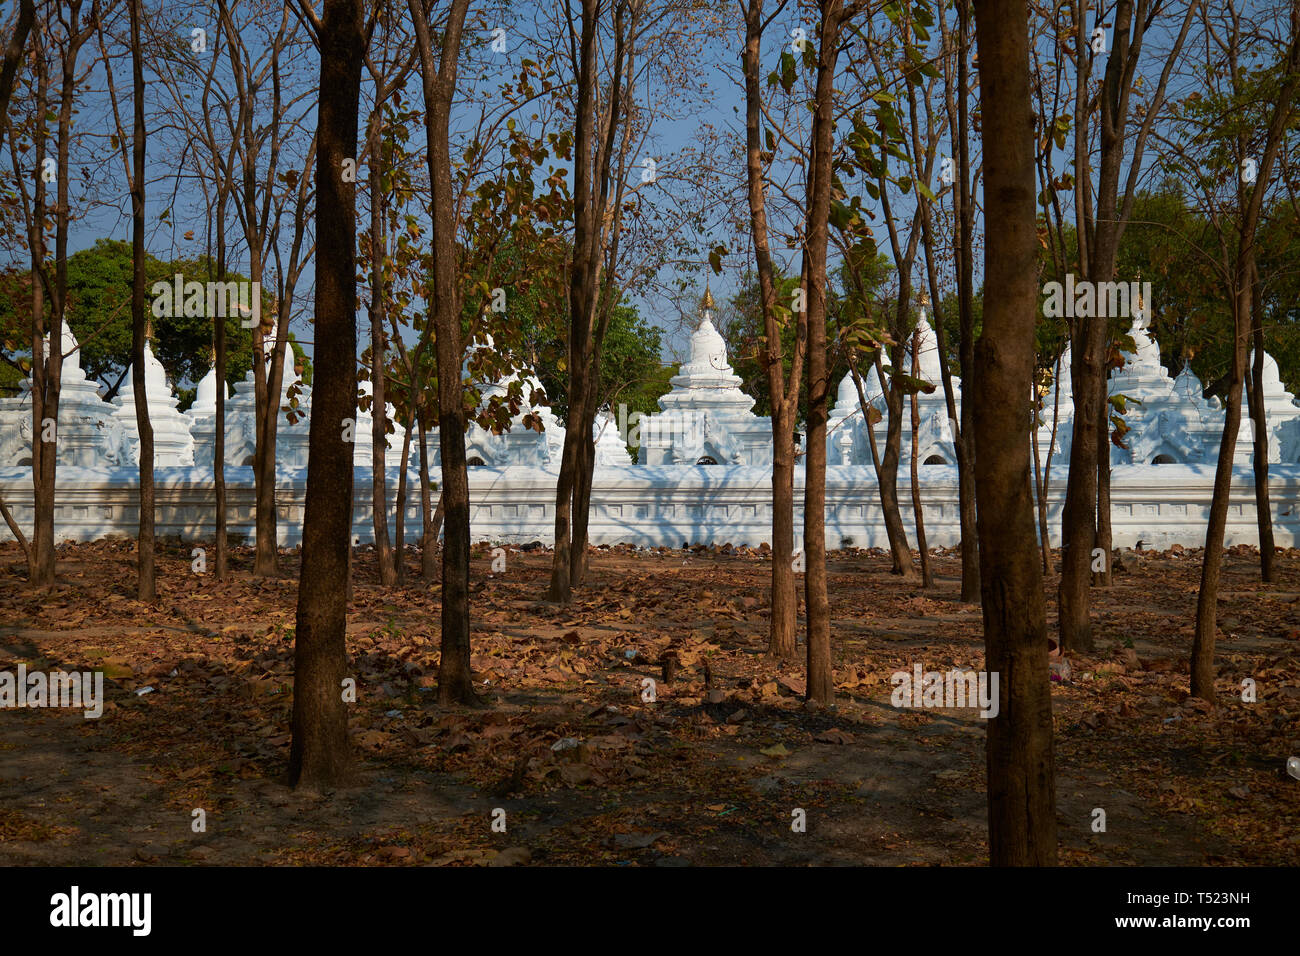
[970,559]
[378,403]
[821,683]
[13,57]
[428,531]
[887,474]
[1102,542]
[578,558]
[1078,516]
[1082,526]
[1243,289]
[46,370]
[1207,599]
[582,283]
[399,519]
[1021,788]
[785,601]
[318,757]
[219,444]
[1259,422]
[1040,492]
[21,538]
[782,624]
[266,556]
[560,589]
[146,589]
[455,681]
[917,511]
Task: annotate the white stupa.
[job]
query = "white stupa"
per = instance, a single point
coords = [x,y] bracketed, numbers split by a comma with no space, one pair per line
[611,452]
[1280,410]
[173,445]
[203,418]
[845,436]
[706,418]
[292,429]
[87,435]
[935,435]
[363,447]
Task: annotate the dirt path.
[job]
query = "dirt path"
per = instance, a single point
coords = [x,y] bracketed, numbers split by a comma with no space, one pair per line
[715,771]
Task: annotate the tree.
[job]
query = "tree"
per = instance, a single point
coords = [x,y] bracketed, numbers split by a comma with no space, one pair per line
[1236,222]
[267,128]
[14,54]
[389,77]
[820,681]
[65,33]
[8,72]
[1101,220]
[597,196]
[146,589]
[318,756]
[783,389]
[957,101]
[455,682]
[1021,788]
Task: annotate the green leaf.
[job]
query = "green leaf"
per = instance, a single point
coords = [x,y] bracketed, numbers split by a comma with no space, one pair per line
[787,71]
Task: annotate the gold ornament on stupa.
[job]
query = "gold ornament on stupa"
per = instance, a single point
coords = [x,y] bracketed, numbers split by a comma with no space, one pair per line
[707,302]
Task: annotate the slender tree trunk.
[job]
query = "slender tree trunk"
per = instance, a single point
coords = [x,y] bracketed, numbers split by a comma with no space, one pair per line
[1021,788]
[46,369]
[378,403]
[399,519]
[821,683]
[266,555]
[970,560]
[1078,516]
[1259,422]
[428,530]
[785,601]
[219,444]
[578,558]
[21,538]
[918,513]
[319,756]
[581,305]
[455,681]
[13,57]
[1207,600]
[1040,492]
[782,624]
[1242,291]
[47,374]
[561,586]
[1102,542]
[887,474]
[146,588]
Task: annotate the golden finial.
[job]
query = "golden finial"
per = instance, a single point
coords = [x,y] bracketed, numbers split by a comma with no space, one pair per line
[707,301]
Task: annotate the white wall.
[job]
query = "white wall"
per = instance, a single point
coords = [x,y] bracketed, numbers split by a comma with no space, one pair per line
[653,506]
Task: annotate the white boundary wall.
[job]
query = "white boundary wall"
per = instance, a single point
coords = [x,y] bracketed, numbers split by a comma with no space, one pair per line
[651,506]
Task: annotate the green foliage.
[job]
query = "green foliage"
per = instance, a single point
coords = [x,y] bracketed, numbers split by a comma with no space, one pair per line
[1191,316]
[99,313]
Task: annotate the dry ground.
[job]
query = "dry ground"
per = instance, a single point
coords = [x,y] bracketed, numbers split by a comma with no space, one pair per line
[588,773]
